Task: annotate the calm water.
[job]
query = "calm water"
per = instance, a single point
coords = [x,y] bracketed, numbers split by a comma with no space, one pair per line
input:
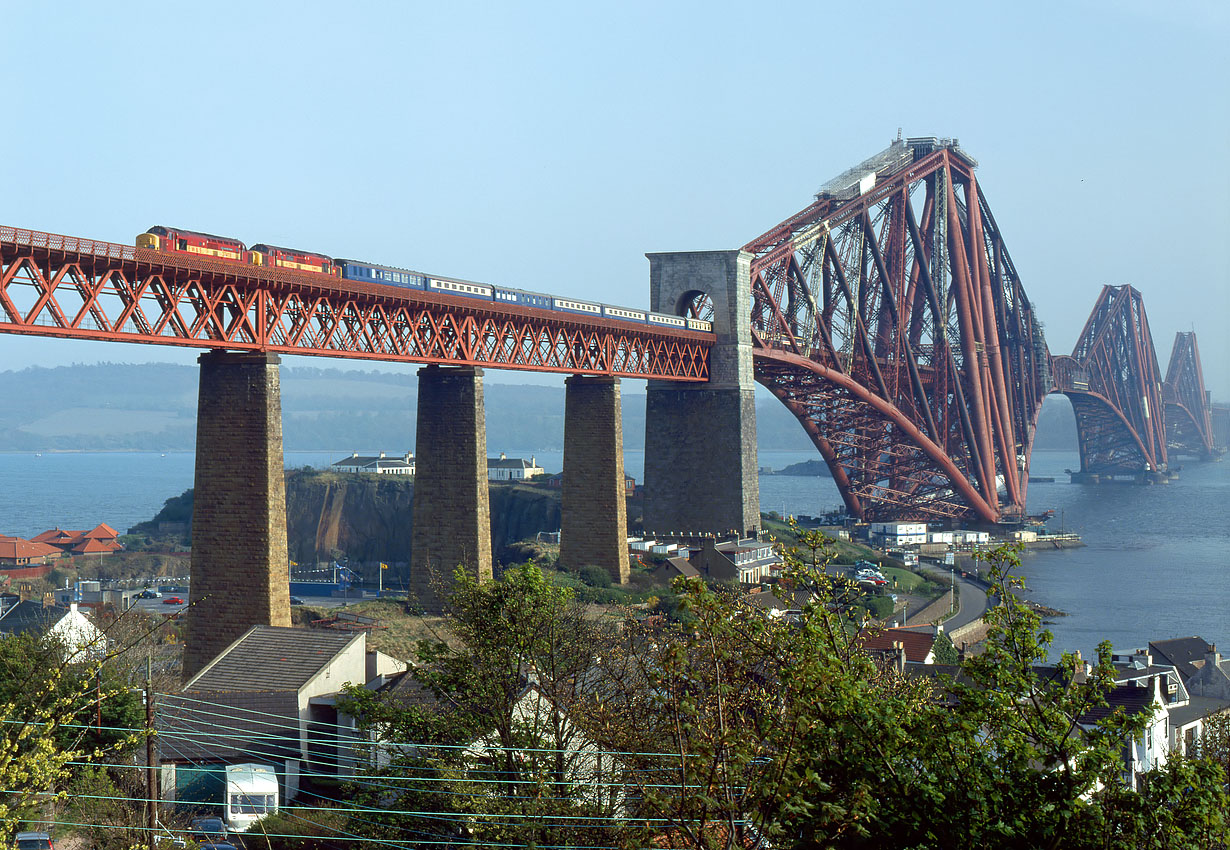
[1157,563]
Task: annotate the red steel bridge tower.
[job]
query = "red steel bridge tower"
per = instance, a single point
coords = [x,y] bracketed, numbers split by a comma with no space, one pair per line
[1189,421]
[1115,387]
[889,318]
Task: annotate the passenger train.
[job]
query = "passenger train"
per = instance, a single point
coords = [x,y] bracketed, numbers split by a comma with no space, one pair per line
[176,241]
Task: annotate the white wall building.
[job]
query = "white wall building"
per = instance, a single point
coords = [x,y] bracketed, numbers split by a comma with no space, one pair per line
[505,468]
[898,533]
[380,464]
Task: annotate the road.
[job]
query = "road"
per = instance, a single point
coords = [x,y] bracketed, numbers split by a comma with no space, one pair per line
[971,596]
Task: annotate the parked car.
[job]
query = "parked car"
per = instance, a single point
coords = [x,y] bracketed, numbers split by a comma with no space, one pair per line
[173,600]
[34,841]
[149,594]
[295,600]
[207,829]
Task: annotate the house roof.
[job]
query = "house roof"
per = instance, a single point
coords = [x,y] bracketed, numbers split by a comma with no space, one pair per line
[102,531]
[29,616]
[1129,699]
[94,546]
[917,645]
[271,658]
[766,600]
[679,566]
[1182,653]
[1197,707]
[230,726]
[56,536]
[12,548]
[509,463]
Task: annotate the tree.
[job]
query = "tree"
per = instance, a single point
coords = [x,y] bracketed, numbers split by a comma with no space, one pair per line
[489,737]
[46,704]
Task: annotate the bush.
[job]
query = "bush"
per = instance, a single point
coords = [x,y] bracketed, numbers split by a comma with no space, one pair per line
[595,576]
[879,606]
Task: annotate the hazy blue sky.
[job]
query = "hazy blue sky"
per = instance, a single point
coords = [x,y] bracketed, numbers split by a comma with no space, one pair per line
[549,146]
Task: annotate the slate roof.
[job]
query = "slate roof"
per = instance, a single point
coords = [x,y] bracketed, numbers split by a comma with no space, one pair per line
[1127,698]
[1196,708]
[27,616]
[1181,653]
[678,566]
[271,658]
[509,463]
[235,726]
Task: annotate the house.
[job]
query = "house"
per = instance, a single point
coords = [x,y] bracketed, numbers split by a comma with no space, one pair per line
[544,727]
[505,468]
[745,560]
[380,464]
[1175,717]
[78,635]
[16,552]
[269,696]
[1203,671]
[102,539]
[675,568]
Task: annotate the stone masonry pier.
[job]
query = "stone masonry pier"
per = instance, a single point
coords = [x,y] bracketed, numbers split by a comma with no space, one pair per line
[452,513]
[239,561]
[594,513]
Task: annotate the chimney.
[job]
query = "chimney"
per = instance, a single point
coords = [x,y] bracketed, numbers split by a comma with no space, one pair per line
[502,456]
[1211,655]
[382,454]
[899,656]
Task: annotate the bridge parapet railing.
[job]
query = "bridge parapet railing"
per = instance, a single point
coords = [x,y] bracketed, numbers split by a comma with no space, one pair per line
[56,242]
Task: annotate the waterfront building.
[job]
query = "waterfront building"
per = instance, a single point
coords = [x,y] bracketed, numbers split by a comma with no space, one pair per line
[380,464]
[504,468]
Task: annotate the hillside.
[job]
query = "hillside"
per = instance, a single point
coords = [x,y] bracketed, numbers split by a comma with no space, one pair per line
[152,407]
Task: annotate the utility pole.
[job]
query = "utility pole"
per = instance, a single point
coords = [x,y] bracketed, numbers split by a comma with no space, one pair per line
[151,775]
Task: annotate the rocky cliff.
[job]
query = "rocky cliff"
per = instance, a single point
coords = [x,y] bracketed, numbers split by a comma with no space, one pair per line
[368,517]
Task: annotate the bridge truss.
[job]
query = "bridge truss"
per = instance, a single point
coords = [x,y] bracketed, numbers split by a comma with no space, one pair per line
[1113,382]
[1189,425]
[61,286]
[889,318]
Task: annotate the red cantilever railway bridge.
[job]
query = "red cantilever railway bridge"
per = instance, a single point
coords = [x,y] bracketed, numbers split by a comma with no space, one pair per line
[62,286]
[887,316]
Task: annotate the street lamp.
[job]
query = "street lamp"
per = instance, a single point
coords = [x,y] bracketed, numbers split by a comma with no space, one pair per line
[952,590]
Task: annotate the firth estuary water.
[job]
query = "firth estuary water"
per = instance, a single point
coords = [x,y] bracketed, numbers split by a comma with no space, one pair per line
[1156,564]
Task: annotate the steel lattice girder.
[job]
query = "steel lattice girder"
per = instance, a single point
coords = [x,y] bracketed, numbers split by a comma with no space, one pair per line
[1189,426]
[1112,380]
[84,289]
[904,302]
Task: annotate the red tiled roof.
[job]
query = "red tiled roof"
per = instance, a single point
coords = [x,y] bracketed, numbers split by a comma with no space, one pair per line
[91,546]
[102,531]
[12,548]
[916,644]
[56,535]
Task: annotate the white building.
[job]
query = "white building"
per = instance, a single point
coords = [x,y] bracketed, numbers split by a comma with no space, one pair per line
[898,533]
[74,631]
[505,468]
[380,464]
[971,538]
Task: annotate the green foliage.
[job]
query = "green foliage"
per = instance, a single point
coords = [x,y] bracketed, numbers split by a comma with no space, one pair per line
[945,652]
[45,702]
[732,726]
[504,685]
[595,576]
